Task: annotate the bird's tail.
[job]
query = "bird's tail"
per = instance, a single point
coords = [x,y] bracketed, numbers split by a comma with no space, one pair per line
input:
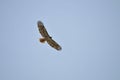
[42,40]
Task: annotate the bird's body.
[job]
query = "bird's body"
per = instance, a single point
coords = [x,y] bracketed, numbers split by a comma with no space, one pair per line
[46,37]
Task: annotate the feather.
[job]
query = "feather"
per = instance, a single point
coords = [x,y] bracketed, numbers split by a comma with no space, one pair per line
[46,37]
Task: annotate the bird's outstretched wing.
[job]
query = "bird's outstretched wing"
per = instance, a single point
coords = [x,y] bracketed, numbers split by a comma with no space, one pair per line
[42,29]
[53,44]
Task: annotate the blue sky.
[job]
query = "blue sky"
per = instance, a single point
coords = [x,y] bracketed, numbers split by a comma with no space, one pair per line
[87,30]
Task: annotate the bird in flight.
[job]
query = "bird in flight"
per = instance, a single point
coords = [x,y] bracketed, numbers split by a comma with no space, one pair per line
[46,37]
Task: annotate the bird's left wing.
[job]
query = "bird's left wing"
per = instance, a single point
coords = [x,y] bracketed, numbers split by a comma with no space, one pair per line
[53,44]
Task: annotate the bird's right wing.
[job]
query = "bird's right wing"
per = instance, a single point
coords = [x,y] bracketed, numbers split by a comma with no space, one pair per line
[42,29]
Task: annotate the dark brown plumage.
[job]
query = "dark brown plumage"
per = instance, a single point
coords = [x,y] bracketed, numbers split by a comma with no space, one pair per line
[46,37]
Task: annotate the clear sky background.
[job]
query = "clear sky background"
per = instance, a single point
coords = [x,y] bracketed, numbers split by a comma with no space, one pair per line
[87,30]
